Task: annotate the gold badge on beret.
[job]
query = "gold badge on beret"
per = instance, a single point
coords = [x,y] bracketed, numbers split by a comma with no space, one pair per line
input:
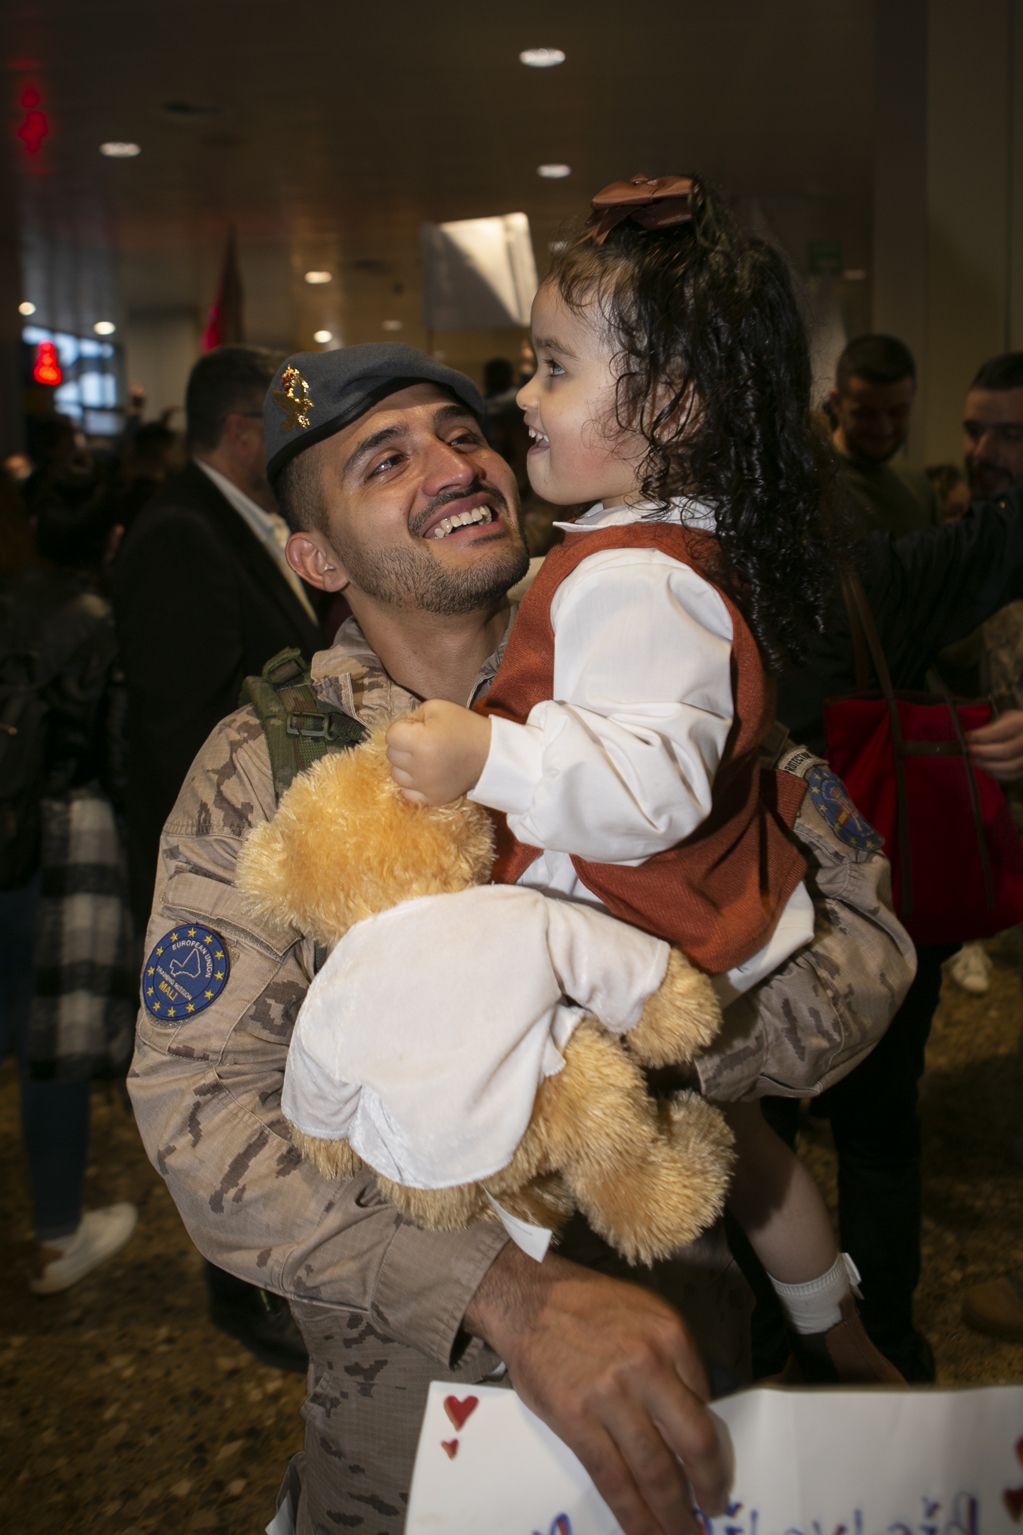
[293,398]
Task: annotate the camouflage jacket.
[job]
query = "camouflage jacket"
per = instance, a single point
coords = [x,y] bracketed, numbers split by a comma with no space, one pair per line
[206,1086]
[206,1083]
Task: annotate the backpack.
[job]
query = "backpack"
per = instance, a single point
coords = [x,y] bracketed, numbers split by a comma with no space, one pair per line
[298,726]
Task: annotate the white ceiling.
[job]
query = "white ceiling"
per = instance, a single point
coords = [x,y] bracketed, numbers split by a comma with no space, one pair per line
[328,131]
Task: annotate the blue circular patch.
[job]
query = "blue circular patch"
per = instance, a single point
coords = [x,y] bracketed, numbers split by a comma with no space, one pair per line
[831,797]
[186,971]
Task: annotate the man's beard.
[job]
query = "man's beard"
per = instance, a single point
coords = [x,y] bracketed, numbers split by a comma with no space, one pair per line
[412,579]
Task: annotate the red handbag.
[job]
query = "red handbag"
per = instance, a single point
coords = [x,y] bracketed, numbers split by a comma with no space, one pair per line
[956,857]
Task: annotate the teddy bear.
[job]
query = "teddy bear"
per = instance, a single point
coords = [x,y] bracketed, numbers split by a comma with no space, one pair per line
[482,1048]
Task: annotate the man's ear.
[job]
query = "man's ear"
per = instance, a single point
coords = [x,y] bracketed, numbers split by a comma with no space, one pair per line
[312,558]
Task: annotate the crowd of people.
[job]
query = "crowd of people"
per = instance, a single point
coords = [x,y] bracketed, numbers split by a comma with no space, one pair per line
[360,509]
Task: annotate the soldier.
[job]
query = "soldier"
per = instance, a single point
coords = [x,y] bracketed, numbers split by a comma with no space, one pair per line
[371,450]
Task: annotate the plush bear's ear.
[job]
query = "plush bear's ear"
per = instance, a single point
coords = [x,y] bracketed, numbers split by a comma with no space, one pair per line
[296,869]
[345,845]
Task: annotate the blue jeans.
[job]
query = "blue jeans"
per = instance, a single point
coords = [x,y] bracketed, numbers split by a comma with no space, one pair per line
[54,1115]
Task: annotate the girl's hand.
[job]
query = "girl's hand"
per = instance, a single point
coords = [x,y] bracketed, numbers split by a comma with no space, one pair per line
[438,753]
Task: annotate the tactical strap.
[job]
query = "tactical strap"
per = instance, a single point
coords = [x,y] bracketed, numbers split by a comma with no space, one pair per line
[299,728]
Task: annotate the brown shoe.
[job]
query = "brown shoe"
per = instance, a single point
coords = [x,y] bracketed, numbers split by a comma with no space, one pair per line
[996,1307]
[844,1355]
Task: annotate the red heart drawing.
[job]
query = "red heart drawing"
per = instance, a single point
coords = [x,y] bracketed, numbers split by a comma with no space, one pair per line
[459,1410]
[1013,1500]
[450,1447]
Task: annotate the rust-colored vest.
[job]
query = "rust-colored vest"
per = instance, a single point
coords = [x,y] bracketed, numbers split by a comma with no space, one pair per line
[717,895]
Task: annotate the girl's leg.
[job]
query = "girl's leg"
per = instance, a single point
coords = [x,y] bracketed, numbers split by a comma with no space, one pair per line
[781,1211]
[776,1202]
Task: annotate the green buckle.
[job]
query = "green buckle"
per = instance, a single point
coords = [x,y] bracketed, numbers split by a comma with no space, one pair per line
[312,727]
[289,668]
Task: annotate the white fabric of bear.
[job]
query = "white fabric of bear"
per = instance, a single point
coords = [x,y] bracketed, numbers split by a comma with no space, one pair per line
[430,1071]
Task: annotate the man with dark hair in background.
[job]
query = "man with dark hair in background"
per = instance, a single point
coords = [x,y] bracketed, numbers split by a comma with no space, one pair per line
[875,386]
[203,597]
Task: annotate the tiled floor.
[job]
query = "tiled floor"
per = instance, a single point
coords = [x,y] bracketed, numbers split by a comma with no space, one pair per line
[124,1411]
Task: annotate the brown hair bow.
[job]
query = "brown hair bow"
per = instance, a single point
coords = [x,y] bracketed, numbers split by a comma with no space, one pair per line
[654,202]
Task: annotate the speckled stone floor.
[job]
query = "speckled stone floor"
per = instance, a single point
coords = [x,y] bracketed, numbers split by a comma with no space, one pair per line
[122,1411]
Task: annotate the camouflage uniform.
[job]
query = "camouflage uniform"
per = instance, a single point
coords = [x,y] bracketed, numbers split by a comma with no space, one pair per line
[380,1302]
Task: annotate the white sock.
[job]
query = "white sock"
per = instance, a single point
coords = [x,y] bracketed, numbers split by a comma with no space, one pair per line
[815,1305]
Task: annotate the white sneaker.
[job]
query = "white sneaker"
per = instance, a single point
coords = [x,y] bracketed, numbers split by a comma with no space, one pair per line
[66,1260]
[971,969]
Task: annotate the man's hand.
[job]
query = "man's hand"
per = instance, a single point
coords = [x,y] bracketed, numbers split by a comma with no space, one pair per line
[438,753]
[998,747]
[612,1369]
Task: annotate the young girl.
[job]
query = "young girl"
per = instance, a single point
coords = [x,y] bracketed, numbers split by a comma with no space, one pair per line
[621,738]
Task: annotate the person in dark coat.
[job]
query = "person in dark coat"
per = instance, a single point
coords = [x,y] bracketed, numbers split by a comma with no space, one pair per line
[927,590]
[203,596]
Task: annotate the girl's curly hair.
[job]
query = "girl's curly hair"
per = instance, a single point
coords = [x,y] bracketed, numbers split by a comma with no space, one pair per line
[714,373]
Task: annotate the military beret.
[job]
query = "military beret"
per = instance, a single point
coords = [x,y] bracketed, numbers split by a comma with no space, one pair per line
[315,394]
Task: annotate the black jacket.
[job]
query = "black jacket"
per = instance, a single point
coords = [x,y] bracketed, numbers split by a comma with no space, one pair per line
[200,604]
[927,591]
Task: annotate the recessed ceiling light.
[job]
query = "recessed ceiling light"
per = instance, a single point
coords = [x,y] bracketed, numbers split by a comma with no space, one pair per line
[553,172]
[26,308]
[115,149]
[104,327]
[541,58]
[323,336]
[392,324]
[318,277]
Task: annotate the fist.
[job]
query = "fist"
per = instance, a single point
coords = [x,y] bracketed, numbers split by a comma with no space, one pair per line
[438,753]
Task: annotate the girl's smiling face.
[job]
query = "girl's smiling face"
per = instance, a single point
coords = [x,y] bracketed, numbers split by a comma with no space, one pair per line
[579,454]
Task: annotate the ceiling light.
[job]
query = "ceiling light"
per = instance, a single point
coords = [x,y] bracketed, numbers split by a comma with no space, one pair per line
[26,308]
[104,327]
[323,336]
[318,277]
[115,149]
[541,58]
[553,172]
[392,324]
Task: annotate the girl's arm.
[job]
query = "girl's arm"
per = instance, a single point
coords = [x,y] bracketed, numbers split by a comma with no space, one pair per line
[622,764]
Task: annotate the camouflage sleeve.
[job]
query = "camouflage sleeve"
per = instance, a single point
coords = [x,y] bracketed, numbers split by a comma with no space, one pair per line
[807,1025]
[220,995]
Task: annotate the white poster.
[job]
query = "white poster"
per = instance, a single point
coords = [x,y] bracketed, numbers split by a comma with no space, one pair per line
[814,1462]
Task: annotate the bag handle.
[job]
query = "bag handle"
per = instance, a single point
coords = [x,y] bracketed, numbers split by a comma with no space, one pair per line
[867,643]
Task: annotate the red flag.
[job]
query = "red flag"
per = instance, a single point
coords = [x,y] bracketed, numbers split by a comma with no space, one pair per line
[225,326]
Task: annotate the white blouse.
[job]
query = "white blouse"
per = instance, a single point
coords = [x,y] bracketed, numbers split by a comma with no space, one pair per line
[620,764]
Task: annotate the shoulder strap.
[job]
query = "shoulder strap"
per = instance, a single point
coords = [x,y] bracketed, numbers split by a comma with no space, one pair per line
[299,728]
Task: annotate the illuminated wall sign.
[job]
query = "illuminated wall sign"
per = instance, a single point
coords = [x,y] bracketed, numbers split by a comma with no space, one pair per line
[47,369]
[34,128]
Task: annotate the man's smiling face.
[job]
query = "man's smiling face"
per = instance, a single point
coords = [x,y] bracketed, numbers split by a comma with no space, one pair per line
[419,511]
